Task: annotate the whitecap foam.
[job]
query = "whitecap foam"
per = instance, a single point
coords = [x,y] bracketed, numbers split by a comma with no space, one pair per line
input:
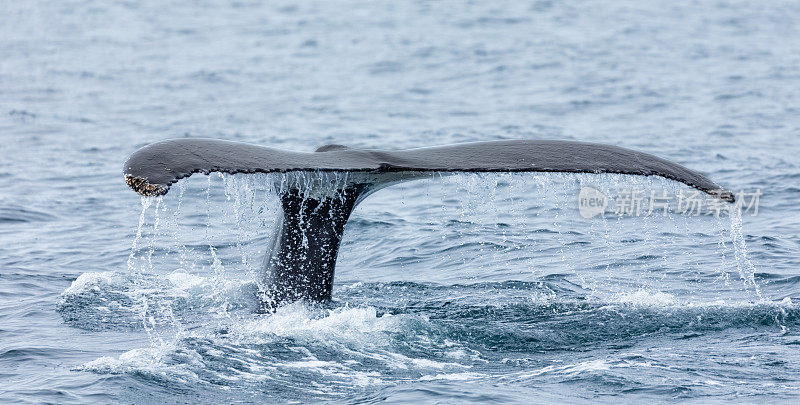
[571,370]
[96,281]
[299,320]
[149,361]
[344,347]
[109,300]
[647,298]
[466,376]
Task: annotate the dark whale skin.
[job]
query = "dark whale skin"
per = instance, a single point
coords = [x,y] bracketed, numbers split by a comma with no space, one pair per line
[154,168]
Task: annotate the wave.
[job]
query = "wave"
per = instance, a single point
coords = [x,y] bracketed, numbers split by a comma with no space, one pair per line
[205,332]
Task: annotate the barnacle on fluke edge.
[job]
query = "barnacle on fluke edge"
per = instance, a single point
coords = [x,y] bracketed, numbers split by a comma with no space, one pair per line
[144,188]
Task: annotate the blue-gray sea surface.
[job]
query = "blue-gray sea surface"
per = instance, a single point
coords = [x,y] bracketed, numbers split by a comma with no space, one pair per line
[453,289]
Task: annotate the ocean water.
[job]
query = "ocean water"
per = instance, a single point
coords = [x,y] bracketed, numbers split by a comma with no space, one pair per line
[452,289]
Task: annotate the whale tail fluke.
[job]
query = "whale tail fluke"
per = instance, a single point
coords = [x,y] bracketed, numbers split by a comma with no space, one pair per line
[326,185]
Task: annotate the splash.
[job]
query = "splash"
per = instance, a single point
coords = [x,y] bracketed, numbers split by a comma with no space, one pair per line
[434,272]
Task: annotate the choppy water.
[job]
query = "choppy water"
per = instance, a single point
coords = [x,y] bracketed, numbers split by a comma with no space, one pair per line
[467,288]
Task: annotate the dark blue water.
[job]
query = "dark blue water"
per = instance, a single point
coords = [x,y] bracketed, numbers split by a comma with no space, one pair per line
[472,288]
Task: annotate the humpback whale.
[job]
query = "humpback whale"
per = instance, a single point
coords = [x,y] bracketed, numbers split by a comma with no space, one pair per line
[300,265]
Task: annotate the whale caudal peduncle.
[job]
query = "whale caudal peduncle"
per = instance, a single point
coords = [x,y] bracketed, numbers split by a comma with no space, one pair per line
[305,243]
[325,186]
[315,207]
